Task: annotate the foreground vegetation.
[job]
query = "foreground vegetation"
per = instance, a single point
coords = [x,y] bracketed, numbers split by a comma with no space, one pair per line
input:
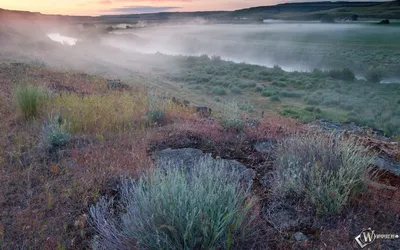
[61,166]
[202,208]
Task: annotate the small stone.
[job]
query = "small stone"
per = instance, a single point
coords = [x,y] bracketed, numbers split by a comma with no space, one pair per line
[299,236]
[265,147]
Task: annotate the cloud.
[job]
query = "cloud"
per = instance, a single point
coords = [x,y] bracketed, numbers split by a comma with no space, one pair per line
[105,2]
[140,9]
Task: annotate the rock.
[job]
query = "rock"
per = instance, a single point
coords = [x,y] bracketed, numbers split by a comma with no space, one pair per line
[299,236]
[252,123]
[184,156]
[246,174]
[387,164]
[203,111]
[184,103]
[384,21]
[265,147]
[284,217]
[189,157]
[338,127]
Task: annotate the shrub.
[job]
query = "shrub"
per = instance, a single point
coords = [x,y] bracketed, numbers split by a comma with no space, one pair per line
[204,207]
[232,117]
[156,110]
[245,106]
[236,90]
[374,75]
[117,84]
[275,98]
[219,91]
[258,89]
[155,115]
[56,132]
[266,93]
[325,170]
[29,98]
[344,74]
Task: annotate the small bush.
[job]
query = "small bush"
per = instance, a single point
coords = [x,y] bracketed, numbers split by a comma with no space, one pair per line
[56,132]
[344,74]
[266,93]
[219,91]
[29,98]
[201,208]
[258,89]
[275,98]
[154,115]
[236,90]
[325,170]
[156,110]
[374,75]
[246,106]
[232,117]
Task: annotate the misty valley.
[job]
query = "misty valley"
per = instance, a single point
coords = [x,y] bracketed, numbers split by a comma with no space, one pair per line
[349,72]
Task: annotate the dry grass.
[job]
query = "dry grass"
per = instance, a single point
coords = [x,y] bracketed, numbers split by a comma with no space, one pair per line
[99,114]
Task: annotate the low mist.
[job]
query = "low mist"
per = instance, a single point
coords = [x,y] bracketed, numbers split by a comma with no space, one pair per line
[124,49]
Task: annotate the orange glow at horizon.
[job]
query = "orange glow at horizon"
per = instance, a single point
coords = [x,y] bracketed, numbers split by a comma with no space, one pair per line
[102,7]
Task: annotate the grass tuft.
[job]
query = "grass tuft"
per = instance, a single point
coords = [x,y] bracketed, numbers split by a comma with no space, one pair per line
[29,99]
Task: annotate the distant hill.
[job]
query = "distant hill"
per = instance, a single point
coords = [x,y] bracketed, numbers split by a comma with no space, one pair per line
[285,11]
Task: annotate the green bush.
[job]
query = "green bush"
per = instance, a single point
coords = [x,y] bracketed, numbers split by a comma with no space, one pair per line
[156,110]
[374,75]
[155,115]
[232,117]
[325,170]
[202,207]
[258,89]
[56,132]
[219,91]
[266,93]
[344,74]
[29,99]
[246,106]
[275,98]
[236,90]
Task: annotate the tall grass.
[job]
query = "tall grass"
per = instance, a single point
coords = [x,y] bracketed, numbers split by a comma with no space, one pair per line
[325,170]
[29,98]
[113,112]
[201,208]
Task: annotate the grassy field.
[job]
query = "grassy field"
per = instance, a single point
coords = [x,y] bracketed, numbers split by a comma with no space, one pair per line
[333,95]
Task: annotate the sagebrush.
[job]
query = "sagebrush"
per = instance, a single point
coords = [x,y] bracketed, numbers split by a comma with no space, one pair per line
[204,207]
[326,170]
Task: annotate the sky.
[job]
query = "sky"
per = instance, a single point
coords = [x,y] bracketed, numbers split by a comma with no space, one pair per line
[105,7]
